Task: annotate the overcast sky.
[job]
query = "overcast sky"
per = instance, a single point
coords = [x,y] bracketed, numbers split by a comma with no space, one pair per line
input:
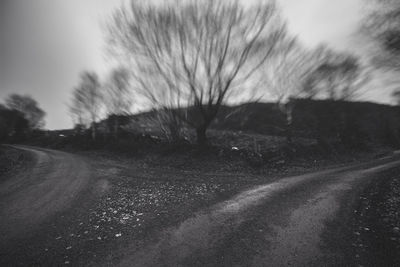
[46,43]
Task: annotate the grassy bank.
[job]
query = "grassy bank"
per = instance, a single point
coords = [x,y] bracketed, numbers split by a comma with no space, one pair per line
[12,160]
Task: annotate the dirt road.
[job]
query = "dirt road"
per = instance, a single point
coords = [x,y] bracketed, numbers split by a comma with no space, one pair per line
[295,221]
[35,195]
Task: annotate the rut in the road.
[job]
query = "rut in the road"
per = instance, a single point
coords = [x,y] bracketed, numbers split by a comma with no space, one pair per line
[202,239]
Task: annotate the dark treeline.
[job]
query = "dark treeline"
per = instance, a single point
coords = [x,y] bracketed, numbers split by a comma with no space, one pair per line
[352,124]
[20,117]
[13,125]
[328,124]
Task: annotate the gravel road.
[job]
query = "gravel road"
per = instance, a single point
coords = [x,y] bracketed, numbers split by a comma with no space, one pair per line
[295,221]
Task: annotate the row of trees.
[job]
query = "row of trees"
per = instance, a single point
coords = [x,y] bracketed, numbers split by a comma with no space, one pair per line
[187,59]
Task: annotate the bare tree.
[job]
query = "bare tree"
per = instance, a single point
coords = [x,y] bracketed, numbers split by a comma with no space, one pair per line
[29,107]
[190,58]
[118,96]
[339,78]
[396,96]
[77,110]
[87,99]
[285,73]
[382,26]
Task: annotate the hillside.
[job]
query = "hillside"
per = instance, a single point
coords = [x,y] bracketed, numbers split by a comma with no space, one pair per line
[352,123]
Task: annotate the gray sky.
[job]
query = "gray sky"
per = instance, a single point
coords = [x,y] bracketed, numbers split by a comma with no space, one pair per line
[46,43]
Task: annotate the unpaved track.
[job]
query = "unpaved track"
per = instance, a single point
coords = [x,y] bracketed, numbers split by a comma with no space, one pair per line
[33,196]
[278,224]
[284,223]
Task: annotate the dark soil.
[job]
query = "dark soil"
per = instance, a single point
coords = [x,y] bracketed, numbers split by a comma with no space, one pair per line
[376,230]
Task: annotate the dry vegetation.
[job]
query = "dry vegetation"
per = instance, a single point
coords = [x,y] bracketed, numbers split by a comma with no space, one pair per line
[12,160]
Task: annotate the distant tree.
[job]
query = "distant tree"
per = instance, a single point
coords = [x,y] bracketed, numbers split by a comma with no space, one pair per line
[396,96]
[77,111]
[285,74]
[87,100]
[189,58]
[339,78]
[13,125]
[28,107]
[118,96]
[4,127]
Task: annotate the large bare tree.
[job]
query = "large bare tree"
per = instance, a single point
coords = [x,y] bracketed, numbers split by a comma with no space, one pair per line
[191,57]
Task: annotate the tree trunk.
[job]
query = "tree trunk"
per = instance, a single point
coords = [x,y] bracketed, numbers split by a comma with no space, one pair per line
[174,133]
[289,136]
[201,135]
[116,127]
[94,134]
[289,120]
